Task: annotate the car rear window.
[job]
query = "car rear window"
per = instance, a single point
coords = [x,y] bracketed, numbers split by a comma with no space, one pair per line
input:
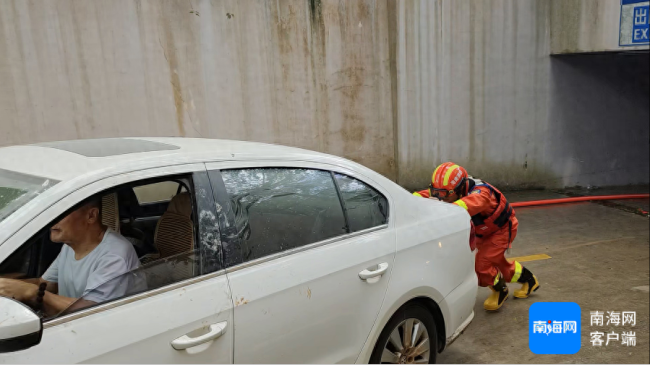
[155,193]
[365,206]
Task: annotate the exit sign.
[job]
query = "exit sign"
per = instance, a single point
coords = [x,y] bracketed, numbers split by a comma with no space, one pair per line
[633,29]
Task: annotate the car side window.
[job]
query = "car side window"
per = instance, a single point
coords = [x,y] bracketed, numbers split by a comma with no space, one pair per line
[17,266]
[365,207]
[278,209]
[168,242]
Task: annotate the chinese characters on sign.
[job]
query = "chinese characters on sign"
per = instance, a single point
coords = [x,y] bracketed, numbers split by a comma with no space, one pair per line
[616,319]
[640,30]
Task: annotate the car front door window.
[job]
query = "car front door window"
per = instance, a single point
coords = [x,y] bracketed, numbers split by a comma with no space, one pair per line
[186,288]
[112,269]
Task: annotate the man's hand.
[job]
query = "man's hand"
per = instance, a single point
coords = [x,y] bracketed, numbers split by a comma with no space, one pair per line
[19,290]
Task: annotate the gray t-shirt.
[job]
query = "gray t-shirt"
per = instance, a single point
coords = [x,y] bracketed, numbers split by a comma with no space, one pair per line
[98,276]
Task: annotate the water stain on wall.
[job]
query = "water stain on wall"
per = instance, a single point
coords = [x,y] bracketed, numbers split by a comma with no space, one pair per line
[171,56]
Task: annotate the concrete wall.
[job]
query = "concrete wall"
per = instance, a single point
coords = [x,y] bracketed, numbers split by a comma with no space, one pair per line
[477,86]
[474,88]
[301,73]
[398,86]
[579,26]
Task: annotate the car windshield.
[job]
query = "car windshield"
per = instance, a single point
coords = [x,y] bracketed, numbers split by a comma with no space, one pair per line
[17,189]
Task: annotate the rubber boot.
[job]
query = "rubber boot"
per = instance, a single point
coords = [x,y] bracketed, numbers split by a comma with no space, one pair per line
[499,295]
[530,284]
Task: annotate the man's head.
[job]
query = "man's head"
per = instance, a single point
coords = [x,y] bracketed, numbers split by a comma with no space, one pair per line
[449,182]
[76,226]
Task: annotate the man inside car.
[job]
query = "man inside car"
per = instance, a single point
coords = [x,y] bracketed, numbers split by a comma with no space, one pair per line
[89,269]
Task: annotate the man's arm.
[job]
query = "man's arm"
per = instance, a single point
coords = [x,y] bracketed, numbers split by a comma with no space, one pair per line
[422,193]
[27,292]
[52,287]
[35,281]
[54,304]
[476,202]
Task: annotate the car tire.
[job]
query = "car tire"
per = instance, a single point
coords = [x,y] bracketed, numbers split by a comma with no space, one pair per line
[417,317]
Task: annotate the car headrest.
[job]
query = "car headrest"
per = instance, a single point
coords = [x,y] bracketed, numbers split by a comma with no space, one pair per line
[181,204]
[110,212]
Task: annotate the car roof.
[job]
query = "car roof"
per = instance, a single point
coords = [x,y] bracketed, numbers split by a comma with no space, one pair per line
[64,160]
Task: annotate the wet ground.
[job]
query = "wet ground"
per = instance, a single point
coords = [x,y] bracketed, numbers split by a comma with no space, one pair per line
[599,259]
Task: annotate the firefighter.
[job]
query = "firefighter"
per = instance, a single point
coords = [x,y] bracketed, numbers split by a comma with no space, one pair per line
[495,225]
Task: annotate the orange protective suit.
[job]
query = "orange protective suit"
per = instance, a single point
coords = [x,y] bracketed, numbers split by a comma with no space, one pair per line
[490,257]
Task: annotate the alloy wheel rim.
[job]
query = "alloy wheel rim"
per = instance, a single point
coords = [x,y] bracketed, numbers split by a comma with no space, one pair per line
[408,343]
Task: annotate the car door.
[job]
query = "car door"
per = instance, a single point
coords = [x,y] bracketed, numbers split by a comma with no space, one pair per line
[188,321]
[306,287]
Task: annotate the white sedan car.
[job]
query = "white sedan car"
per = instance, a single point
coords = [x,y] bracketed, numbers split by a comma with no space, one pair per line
[247,253]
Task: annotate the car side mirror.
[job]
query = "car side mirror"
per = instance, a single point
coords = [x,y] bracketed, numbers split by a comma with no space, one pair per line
[20,327]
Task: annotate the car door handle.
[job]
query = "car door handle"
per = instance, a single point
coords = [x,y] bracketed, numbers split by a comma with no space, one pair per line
[373,272]
[185,341]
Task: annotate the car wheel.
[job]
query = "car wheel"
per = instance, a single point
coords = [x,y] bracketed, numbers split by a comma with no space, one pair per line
[409,337]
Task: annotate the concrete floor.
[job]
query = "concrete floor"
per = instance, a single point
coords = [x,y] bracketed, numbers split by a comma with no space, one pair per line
[600,260]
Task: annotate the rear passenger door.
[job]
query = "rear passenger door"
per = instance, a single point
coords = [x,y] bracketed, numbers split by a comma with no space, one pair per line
[308,271]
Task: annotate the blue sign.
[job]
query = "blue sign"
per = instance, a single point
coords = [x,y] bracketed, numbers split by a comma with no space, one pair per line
[634,30]
[640,30]
[554,328]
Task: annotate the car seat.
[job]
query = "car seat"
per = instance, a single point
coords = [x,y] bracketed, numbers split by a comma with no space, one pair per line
[174,241]
[175,230]
[110,212]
